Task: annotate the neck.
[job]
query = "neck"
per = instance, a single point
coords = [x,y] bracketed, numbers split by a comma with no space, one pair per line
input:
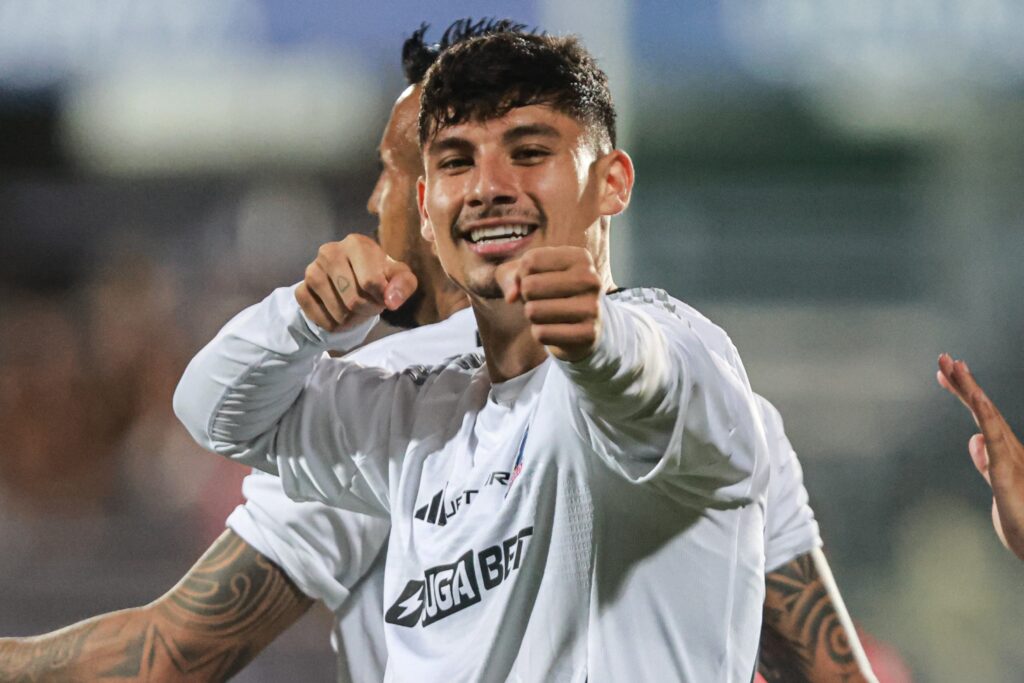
[509,347]
[441,298]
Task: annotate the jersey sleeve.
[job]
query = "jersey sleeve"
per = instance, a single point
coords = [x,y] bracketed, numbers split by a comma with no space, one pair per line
[790,527]
[665,401]
[326,551]
[263,393]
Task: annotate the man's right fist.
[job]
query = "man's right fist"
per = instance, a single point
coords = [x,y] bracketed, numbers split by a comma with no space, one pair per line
[351,281]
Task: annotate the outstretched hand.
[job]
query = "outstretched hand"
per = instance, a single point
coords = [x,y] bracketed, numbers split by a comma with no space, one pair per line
[351,281]
[561,291]
[996,452]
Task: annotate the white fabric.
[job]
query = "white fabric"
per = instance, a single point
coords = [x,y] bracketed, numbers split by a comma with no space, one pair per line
[790,529]
[334,555]
[653,442]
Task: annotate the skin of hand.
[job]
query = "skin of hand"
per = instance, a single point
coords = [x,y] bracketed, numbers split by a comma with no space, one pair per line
[803,637]
[230,605]
[351,281]
[560,289]
[996,452]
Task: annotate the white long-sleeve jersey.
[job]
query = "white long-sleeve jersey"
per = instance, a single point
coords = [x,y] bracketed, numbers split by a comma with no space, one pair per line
[522,511]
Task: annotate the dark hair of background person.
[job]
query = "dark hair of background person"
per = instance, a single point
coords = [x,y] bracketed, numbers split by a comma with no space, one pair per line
[418,56]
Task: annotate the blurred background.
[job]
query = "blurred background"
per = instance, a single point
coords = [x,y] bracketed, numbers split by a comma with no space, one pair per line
[839,185]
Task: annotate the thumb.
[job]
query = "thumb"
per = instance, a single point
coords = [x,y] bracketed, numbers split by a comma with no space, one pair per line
[979,455]
[401,283]
[507,277]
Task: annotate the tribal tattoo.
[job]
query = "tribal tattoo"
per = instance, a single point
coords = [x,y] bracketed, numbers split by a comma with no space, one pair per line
[229,606]
[802,639]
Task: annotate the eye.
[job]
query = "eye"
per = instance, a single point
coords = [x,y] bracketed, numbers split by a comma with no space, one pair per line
[530,155]
[454,163]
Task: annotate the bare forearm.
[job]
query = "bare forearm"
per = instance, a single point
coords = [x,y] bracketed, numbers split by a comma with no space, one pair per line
[229,606]
[95,649]
[803,638]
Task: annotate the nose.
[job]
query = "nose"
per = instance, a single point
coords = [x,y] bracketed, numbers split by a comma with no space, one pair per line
[495,183]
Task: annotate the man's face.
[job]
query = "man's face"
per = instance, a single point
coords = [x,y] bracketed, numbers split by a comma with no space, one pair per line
[496,188]
[393,200]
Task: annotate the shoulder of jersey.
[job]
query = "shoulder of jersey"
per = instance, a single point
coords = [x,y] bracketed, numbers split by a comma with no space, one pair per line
[659,302]
[463,365]
[426,345]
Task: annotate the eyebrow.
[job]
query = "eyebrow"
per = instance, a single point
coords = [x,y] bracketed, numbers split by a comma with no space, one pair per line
[517,133]
[449,144]
[511,136]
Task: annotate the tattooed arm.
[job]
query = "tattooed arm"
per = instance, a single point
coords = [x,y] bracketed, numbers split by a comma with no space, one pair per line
[228,607]
[807,636]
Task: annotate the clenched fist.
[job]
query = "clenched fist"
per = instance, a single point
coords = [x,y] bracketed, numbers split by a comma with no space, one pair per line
[351,281]
[561,291]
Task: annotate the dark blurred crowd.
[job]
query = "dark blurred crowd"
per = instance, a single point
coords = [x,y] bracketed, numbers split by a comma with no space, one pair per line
[86,426]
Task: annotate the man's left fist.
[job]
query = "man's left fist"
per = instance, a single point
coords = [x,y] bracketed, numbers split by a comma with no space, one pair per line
[561,291]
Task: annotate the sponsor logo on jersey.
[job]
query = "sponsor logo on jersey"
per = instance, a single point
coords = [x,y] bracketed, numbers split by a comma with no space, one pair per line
[517,466]
[439,510]
[450,588]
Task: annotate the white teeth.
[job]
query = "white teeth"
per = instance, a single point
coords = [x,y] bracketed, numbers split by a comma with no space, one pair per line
[504,233]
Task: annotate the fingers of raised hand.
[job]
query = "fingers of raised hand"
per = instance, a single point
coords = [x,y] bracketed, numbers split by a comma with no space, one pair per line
[323,288]
[576,309]
[355,270]
[507,276]
[314,308]
[979,456]
[563,284]
[401,283]
[948,379]
[567,341]
[986,414]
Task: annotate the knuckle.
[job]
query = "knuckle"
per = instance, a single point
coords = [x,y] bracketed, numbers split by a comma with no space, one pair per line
[528,287]
[529,260]
[328,250]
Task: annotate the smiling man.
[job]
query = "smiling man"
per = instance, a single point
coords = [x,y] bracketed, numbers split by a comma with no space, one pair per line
[328,553]
[528,494]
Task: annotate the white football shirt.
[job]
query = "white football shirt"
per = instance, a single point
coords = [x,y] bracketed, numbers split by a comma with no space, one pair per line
[334,555]
[520,512]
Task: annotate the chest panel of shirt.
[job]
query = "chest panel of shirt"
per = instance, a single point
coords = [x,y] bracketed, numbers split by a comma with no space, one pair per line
[531,538]
[458,493]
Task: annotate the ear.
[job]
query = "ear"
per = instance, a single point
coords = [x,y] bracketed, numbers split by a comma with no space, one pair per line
[616,169]
[426,229]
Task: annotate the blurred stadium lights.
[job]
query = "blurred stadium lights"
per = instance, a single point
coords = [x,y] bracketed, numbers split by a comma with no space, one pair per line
[181,86]
[878,65]
[221,113]
[46,42]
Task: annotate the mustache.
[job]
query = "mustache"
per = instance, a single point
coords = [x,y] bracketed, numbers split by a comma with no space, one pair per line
[515,215]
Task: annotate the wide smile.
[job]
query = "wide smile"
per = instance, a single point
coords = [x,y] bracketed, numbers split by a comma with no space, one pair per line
[498,240]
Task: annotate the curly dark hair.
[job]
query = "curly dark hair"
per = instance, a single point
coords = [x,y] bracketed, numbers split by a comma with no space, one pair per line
[485,78]
[418,55]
